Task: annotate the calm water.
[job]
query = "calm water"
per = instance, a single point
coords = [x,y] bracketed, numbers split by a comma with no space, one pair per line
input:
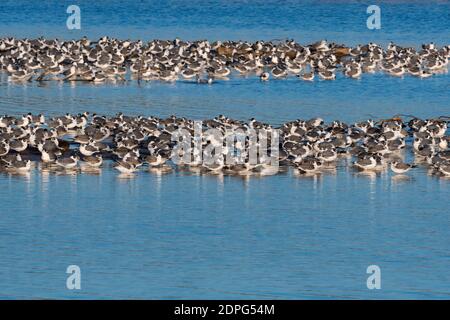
[182,235]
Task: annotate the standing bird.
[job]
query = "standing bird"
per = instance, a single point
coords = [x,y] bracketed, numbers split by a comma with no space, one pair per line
[68,163]
[264,76]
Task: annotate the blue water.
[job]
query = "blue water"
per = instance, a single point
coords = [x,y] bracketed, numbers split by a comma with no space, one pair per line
[408,22]
[181,235]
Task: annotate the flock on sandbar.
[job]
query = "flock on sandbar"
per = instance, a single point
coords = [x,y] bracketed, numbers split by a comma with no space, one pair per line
[85,142]
[205,62]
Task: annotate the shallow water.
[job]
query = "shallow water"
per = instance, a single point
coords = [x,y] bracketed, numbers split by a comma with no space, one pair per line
[407,22]
[180,235]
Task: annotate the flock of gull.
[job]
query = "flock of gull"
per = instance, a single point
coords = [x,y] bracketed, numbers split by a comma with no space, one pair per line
[73,143]
[111,59]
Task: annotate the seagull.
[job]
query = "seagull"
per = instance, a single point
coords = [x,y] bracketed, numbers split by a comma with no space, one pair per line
[264,76]
[309,166]
[209,80]
[125,167]
[400,167]
[445,168]
[21,166]
[309,76]
[93,161]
